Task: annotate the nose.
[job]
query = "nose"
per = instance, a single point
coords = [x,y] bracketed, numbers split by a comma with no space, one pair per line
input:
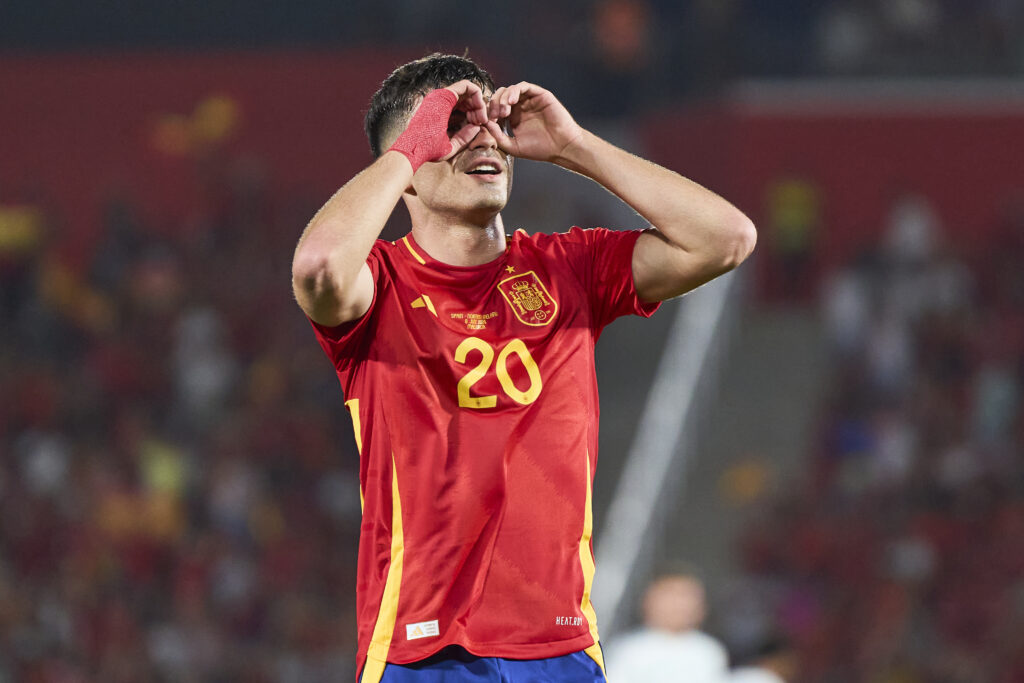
[483,140]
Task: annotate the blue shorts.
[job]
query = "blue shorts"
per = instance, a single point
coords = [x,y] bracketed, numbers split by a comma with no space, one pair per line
[455,665]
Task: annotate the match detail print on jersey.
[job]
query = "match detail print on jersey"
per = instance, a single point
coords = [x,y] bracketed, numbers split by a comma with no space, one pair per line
[529,299]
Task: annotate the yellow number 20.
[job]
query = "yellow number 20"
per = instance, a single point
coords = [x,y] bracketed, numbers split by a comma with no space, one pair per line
[516,346]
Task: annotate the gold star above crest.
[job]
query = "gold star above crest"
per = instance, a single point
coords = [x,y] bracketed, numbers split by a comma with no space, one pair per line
[510,269]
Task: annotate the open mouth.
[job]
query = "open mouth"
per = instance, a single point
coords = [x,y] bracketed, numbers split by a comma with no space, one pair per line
[486,169]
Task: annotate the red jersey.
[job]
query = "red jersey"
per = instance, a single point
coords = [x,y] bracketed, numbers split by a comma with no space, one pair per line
[474,399]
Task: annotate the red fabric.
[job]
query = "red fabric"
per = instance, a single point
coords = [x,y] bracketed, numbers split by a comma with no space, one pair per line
[425,138]
[493,499]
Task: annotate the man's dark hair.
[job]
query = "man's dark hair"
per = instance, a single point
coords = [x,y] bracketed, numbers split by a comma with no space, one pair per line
[399,91]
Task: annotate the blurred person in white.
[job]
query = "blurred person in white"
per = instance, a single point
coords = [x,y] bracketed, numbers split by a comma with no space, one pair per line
[774,662]
[205,368]
[670,646]
[922,274]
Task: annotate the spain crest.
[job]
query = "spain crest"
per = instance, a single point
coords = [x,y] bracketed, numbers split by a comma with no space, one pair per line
[529,298]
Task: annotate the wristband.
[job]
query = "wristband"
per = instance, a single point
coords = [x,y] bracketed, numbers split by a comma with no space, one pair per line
[425,137]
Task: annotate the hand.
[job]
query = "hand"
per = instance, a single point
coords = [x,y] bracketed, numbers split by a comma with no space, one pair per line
[541,126]
[445,121]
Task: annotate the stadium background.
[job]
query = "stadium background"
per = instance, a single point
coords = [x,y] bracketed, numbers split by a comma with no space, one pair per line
[178,496]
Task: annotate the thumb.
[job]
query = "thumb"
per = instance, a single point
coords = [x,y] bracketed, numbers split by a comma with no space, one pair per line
[505,143]
[462,138]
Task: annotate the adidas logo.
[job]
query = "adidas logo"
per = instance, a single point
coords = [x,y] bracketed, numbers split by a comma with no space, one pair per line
[422,629]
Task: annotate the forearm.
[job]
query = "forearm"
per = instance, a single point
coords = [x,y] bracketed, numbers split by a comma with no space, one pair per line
[330,278]
[699,235]
[689,215]
[331,254]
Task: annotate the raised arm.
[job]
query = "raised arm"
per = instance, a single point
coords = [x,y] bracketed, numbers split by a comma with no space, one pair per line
[330,278]
[698,235]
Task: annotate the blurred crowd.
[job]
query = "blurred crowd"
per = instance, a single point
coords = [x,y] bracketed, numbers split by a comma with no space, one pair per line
[899,560]
[178,490]
[178,479]
[616,53]
[605,53]
[179,497]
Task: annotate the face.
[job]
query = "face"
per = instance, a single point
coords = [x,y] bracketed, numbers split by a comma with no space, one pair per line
[474,184]
[674,603]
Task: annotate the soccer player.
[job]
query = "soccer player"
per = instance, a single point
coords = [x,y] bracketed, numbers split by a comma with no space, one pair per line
[466,356]
[670,641]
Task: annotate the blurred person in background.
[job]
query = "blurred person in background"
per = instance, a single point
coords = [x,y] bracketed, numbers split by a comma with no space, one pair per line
[670,645]
[774,662]
[467,360]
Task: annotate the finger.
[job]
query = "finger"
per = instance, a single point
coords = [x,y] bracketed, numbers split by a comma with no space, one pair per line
[463,87]
[462,138]
[526,91]
[494,106]
[516,94]
[471,100]
[506,144]
[509,98]
[475,107]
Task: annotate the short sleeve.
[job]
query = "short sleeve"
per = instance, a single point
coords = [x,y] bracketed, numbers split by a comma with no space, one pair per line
[346,342]
[605,264]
